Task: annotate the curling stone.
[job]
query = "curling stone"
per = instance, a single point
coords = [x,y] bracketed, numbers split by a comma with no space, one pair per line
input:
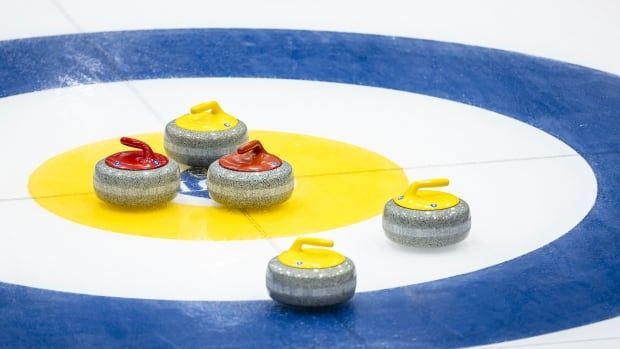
[311,277]
[426,218]
[251,178]
[138,178]
[203,136]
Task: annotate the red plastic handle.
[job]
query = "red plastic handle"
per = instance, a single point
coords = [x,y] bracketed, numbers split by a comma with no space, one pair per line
[254,146]
[147,152]
[136,160]
[250,157]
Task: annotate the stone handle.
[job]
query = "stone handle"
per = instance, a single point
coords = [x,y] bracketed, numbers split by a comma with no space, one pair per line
[427,183]
[254,146]
[147,152]
[300,242]
[212,107]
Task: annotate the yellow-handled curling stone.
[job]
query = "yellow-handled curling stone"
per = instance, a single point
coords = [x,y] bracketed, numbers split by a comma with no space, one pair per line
[426,218]
[250,178]
[311,277]
[138,178]
[204,135]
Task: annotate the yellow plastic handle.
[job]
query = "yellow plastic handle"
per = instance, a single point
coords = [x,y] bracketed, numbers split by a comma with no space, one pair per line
[427,200]
[427,183]
[297,245]
[212,107]
[311,258]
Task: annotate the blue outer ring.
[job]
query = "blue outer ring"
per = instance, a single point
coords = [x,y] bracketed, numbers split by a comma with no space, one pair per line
[573,281]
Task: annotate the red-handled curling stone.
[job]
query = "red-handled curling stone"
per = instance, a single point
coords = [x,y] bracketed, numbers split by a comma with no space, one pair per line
[250,178]
[136,178]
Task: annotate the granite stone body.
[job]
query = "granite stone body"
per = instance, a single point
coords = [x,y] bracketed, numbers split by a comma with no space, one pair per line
[141,188]
[311,287]
[421,228]
[201,148]
[250,189]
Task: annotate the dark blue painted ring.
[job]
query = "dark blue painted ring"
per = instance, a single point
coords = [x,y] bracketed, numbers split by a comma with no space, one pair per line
[574,280]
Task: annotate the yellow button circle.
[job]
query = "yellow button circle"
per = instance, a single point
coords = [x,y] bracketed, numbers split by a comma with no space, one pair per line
[336,184]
